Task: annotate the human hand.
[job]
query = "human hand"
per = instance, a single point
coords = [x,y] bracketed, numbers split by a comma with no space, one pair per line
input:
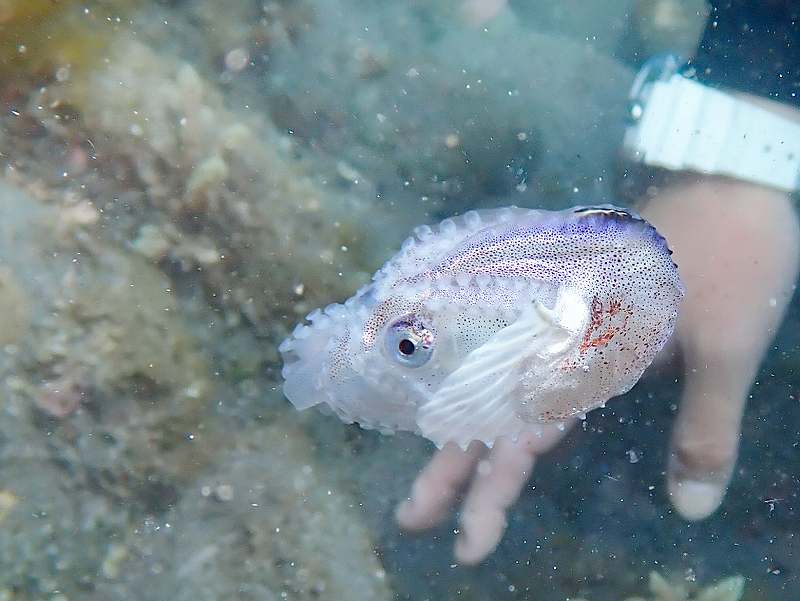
[736,245]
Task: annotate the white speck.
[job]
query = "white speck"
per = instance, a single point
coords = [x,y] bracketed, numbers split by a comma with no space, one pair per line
[561,426]
[633,456]
[773,302]
[224,492]
[236,59]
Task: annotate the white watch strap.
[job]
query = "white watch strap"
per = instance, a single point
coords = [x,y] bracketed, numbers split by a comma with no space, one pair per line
[685,125]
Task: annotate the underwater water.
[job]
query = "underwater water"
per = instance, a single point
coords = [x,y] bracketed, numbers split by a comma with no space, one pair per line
[182,182]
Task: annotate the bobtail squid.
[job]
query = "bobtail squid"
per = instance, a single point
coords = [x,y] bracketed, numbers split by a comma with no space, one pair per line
[492,323]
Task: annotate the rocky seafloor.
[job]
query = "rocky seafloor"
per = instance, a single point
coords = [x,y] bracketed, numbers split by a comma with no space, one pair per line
[182,181]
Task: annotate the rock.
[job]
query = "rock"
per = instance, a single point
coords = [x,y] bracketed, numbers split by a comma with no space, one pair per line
[265,523]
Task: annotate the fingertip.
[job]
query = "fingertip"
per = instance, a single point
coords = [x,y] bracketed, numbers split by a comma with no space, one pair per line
[695,500]
[409,517]
[404,515]
[480,535]
[466,554]
[701,464]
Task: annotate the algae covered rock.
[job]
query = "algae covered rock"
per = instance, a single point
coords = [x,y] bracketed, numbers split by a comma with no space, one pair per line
[115,432]
[223,200]
[44,38]
[274,526]
[468,115]
[99,388]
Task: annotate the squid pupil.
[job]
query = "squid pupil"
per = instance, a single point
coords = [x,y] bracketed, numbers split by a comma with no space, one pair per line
[406,347]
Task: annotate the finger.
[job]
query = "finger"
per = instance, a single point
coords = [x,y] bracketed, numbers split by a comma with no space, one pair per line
[725,328]
[497,484]
[435,489]
[706,434]
[705,441]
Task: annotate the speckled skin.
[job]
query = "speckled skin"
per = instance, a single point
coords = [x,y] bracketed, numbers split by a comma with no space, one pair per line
[534,317]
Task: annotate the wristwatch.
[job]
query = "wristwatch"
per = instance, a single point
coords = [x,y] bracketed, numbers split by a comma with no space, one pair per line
[679,124]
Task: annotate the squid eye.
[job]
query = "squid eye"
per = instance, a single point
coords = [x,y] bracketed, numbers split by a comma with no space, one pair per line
[409,342]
